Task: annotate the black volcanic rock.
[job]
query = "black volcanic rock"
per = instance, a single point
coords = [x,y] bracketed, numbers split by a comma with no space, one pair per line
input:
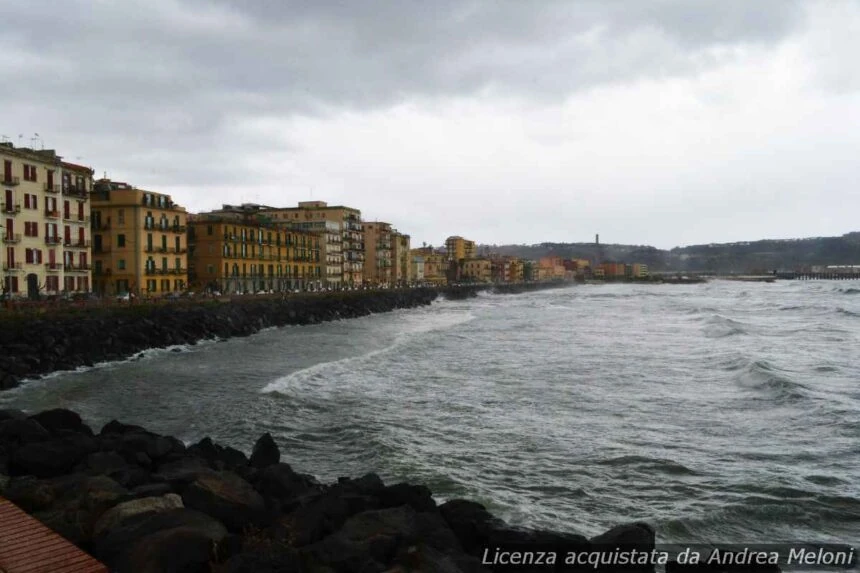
[61,419]
[53,457]
[265,453]
[144,502]
[226,497]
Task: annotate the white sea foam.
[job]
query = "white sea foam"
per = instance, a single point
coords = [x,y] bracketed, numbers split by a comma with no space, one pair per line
[412,326]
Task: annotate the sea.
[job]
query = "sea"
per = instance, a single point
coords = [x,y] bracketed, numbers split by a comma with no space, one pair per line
[724,412]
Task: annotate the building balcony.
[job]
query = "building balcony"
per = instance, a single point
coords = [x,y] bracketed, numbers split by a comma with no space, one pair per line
[52,214]
[102,272]
[10,238]
[53,240]
[11,209]
[177,228]
[149,249]
[175,271]
[12,268]
[76,244]
[11,181]
[75,191]
[53,267]
[79,268]
[82,218]
[52,188]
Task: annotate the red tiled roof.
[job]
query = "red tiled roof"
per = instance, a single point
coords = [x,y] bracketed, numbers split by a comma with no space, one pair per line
[28,546]
[77,167]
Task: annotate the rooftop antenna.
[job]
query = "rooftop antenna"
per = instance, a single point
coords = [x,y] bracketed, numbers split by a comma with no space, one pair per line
[20,137]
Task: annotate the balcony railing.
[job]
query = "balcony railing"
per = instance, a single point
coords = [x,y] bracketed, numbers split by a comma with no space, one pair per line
[178,228]
[52,188]
[12,267]
[83,218]
[75,191]
[53,240]
[53,267]
[149,249]
[52,214]
[77,244]
[11,238]
[10,181]
[79,268]
[12,209]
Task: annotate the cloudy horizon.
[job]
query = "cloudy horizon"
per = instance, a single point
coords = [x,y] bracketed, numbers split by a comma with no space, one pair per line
[659,123]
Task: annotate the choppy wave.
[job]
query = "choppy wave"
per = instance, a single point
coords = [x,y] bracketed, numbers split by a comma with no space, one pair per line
[718,326]
[424,324]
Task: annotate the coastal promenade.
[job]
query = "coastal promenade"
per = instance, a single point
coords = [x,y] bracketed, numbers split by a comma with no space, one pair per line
[38,341]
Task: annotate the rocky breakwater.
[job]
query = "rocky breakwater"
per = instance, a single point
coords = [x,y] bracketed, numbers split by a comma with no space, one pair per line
[143,502]
[33,344]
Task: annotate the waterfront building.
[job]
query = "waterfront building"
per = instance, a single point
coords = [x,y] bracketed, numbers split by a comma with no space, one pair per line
[377,253]
[45,215]
[613,270]
[417,272]
[234,251]
[352,237]
[639,271]
[139,241]
[477,270]
[401,269]
[459,249]
[551,268]
[331,249]
[506,269]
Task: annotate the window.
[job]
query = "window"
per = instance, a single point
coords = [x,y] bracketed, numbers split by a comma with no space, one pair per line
[178,264]
[120,240]
[121,216]
[209,229]
[210,269]
[121,264]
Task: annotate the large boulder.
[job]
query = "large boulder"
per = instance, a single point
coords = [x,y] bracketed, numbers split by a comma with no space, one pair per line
[279,483]
[265,453]
[126,510]
[52,458]
[17,431]
[61,419]
[30,493]
[226,497]
[219,457]
[173,540]
[418,497]
[183,471]
[12,414]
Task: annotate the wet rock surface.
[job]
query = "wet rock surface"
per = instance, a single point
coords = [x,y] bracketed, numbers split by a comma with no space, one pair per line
[139,501]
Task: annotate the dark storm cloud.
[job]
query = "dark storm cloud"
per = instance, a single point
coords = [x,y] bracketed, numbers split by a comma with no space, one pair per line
[165,90]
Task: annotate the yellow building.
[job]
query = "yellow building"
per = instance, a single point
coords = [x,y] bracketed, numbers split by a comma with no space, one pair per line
[458,249]
[402,269]
[377,253]
[45,219]
[139,241]
[231,255]
[352,244]
[640,271]
[435,266]
[477,270]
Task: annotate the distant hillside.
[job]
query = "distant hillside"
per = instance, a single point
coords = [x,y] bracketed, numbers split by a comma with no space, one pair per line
[752,256]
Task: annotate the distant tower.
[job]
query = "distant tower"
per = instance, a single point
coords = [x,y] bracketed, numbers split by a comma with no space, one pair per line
[597,239]
[598,251]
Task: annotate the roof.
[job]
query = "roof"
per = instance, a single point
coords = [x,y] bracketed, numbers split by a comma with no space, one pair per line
[28,545]
[76,167]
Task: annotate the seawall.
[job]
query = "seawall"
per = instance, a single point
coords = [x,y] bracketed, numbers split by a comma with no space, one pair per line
[144,502]
[38,343]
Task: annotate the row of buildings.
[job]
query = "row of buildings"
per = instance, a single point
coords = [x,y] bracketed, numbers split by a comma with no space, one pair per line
[65,232]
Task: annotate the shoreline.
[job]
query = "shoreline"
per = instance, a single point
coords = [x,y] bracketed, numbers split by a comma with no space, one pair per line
[35,345]
[140,501]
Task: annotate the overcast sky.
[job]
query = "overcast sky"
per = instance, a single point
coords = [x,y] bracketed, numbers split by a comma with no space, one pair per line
[664,122]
